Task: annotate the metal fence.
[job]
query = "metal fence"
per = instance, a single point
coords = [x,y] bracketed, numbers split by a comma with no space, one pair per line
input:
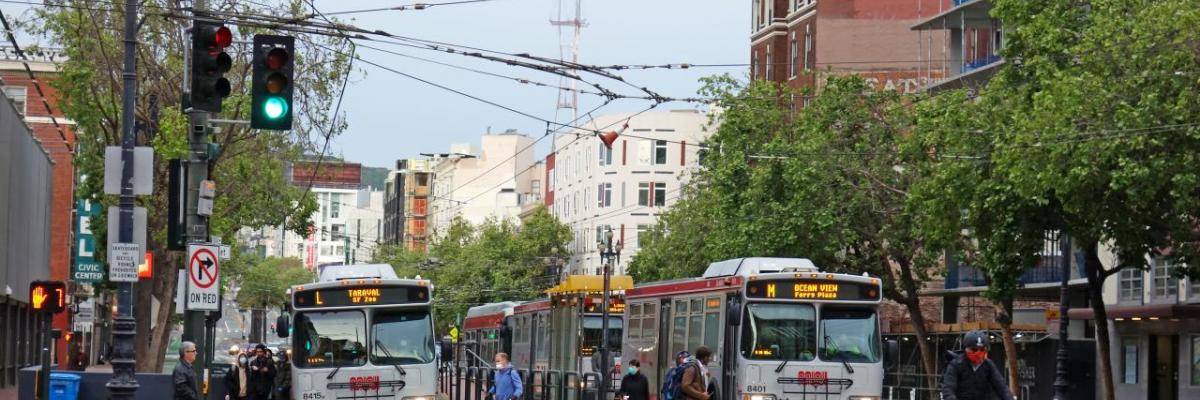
[473,383]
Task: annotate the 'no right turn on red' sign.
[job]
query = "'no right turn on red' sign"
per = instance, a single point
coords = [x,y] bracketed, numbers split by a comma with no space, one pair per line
[203,277]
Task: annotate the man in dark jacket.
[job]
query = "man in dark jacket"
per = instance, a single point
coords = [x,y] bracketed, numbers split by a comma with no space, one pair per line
[972,376]
[261,375]
[695,376]
[184,376]
[634,386]
[283,377]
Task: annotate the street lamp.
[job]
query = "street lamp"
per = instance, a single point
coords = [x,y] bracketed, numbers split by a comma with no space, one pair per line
[607,256]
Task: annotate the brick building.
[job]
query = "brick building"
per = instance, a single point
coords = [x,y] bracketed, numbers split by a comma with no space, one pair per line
[800,43]
[37,101]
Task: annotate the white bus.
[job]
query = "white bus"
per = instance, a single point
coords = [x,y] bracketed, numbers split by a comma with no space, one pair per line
[361,332]
[779,329]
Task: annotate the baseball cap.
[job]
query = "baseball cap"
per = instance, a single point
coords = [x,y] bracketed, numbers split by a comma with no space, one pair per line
[683,354]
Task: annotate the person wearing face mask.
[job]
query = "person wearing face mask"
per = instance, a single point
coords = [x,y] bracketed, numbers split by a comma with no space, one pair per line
[972,376]
[236,383]
[262,374]
[634,385]
[507,381]
[283,377]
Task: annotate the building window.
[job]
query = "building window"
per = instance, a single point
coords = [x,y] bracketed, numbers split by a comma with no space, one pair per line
[1130,284]
[753,64]
[335,205]
[1195,360]
[643,193]
[604,195]
[794,56]
[660,152]
[642,235]
[645,148]
[758,14]
[605,155]
[660,194]
[1129,360]
[808,47]
[770,63]
[17,94]
[1165,285]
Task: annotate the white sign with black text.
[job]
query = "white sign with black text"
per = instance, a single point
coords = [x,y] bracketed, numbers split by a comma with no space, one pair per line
[203,270]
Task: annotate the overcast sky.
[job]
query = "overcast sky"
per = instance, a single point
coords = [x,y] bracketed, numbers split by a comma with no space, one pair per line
[394,117]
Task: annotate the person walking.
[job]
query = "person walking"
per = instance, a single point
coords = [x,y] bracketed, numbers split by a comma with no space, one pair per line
[261,374]
[184,375]
[634,385]
[237,383]
[695,382]
[283,377]
[507,381]
[972,376]
[674,376]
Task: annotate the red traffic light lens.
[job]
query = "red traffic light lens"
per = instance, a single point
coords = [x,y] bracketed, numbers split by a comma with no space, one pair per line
[223,37]
[276,58]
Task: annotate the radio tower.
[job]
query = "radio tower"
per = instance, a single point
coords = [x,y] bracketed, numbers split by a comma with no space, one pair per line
[568,96]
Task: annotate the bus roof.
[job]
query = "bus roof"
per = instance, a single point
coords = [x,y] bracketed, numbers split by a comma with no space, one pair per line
[758,265]
[504,307]
[334,273]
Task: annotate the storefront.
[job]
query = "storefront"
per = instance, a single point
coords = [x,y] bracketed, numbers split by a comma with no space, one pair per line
[1155,350]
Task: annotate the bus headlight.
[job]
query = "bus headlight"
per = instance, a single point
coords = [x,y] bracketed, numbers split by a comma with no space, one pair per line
[760,397]
[864,398]
[418,398]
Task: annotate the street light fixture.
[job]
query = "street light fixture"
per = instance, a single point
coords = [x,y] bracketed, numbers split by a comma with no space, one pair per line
[607,256]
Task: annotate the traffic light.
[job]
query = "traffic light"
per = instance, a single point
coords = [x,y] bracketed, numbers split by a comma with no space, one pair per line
[48,296]
[146,269]
[272,82]
[67,336]
[210,62]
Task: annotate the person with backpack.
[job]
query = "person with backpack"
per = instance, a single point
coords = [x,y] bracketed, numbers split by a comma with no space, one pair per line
[634,385]
[674,376]
[695,382]
[507,380]
[972,376]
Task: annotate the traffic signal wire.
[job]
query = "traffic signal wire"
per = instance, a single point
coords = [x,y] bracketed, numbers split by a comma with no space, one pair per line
[36,84]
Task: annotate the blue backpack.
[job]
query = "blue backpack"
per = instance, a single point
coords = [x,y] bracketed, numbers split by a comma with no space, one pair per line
[673,386]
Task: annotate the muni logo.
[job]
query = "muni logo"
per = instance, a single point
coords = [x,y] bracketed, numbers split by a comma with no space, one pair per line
[815,378]
[364,383]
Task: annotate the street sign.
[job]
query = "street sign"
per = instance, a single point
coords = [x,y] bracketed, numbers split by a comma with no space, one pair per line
[86,268]
[226,252]
[139,226]
[204,202]
[48,296]
[123,260]
[203,269]
[87,312]
[180,291]
[143,170]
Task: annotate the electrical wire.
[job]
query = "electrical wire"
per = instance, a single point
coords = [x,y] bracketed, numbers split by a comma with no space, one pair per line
[37,86]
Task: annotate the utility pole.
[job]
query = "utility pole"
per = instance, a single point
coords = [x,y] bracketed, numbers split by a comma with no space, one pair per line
[1064,294]
[123,384]
[608,257]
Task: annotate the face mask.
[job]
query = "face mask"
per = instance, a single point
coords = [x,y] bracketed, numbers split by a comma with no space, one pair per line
[499,365]
[633,370]
[242,360]
[977,357]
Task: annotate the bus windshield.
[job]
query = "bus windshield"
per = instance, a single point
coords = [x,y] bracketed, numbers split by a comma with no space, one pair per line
[851,335]
[401,337]
[326,339]
[779,331]
[593,330]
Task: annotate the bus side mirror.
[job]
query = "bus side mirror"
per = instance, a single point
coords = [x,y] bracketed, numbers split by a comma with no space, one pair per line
[891,353]
[733,313]
[282,328]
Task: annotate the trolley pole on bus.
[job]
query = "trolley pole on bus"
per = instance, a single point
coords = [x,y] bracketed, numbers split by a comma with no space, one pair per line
[609,258]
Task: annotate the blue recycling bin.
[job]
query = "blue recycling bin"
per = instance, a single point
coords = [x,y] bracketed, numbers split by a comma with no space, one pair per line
[64,386]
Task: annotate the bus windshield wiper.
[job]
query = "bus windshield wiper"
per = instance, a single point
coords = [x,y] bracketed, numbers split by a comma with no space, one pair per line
[333,357]
[838,349]
[387,353]
[781,365]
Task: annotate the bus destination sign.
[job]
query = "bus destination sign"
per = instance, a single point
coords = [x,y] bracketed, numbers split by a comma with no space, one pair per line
[811,289]
[360,296]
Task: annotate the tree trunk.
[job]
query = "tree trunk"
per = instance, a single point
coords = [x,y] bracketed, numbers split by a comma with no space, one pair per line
[152,340]
[1096,277]
[1005,310]
[928,362]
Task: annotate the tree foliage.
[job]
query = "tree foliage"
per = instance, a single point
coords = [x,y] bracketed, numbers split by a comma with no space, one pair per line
[249,170]
[497,260]
[265,283]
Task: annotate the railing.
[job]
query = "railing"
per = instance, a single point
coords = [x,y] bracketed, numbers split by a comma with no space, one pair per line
[979,63]
[472,383]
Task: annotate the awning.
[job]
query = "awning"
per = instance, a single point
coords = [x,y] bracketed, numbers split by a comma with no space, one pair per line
[591,284]
[1148,311]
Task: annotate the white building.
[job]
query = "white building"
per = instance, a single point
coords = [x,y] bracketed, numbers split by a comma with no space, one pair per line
[594,189]
[493,180]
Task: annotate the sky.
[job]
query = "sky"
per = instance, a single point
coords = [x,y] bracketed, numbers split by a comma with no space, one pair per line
[393,117]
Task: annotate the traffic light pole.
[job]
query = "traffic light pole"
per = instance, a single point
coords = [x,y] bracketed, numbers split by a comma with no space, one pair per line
[197,225]
[123,384]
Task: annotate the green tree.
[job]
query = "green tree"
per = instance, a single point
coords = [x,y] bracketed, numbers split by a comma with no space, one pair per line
[1090,129]
[252,190]
[829,183]
[265,283]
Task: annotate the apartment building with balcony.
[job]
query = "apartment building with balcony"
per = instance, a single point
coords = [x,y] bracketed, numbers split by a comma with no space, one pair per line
[972,39]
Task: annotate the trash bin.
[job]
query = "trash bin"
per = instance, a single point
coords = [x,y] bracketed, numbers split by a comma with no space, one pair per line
[64,386]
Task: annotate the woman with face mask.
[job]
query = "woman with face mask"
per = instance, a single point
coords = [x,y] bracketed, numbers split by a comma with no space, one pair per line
[236,385]
[634,385]
[507,380]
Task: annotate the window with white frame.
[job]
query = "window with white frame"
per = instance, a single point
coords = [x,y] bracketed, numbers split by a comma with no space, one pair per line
[794,56]
[1129,360]
[808,47]
[604,195]
[642,235]
[1130,285]
[644,193]
[1164,284]
[660,194]
[757,14]
[753,64]
[605,155]
[660,152]
[770,63]
[18,96]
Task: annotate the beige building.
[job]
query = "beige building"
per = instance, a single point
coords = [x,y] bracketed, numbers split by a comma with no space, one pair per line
[494,180]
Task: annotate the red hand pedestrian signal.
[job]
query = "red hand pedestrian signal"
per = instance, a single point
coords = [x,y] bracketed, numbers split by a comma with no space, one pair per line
[48,296]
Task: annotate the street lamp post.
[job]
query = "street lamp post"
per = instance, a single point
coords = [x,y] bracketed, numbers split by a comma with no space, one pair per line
[1060,373]
[607,256]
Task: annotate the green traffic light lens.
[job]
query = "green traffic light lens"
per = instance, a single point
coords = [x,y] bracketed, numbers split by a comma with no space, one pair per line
[274,107]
